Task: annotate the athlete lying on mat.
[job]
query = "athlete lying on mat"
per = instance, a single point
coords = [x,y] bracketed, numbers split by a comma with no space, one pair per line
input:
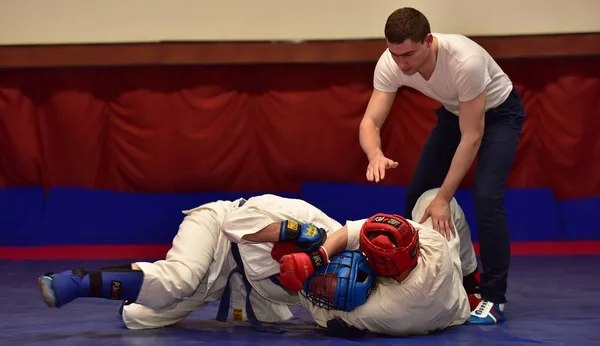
[419,282]
[196,268]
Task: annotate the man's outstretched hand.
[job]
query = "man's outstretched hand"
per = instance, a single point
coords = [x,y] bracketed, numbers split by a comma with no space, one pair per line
[377,167]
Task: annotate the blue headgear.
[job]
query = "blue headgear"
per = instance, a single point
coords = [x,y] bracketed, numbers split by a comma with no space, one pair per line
[343,284]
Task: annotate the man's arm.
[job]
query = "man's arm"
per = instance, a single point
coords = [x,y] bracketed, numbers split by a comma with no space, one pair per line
[250,224]
[471,121]
[269,234]
[377,111]
[346,238]
[306,237]
[336,242]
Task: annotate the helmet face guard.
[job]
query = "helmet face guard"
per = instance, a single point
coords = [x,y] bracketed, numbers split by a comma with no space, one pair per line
[343,284]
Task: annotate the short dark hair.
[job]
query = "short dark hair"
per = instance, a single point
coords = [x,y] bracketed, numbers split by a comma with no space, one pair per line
[406,23]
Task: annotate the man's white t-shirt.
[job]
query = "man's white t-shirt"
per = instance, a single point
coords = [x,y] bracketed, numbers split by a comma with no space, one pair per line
[462,71]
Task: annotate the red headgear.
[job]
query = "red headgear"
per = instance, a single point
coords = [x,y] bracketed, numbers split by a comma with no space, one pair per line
[390,244]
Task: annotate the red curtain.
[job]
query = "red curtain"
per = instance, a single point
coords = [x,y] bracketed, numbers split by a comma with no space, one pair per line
[267,127]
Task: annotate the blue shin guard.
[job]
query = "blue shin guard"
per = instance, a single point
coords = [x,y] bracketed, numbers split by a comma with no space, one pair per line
[112,283]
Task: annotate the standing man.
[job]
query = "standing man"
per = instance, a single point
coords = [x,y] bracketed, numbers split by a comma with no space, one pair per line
[481,115]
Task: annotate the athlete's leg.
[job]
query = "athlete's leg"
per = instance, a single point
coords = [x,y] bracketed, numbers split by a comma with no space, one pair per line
[156,285]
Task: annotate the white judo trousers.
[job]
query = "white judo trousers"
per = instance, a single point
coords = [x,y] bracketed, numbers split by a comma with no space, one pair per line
[195,269]
[194,273]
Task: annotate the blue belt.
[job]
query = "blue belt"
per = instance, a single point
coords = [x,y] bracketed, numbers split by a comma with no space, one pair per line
[224,304]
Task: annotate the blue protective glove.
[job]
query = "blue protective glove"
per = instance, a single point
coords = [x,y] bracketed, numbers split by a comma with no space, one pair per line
[307,237]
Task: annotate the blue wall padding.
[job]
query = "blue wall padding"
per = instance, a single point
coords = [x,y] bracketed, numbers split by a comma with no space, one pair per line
[74,216]
[580,219]
[79,216]
[21,211]
[354,201]
[532,213]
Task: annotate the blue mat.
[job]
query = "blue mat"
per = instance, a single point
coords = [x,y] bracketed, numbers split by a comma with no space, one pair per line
[552,301]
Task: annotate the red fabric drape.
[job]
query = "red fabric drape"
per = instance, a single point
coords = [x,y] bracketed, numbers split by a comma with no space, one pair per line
[267,127]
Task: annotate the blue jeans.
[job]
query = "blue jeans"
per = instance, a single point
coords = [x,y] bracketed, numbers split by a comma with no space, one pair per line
[503,126]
